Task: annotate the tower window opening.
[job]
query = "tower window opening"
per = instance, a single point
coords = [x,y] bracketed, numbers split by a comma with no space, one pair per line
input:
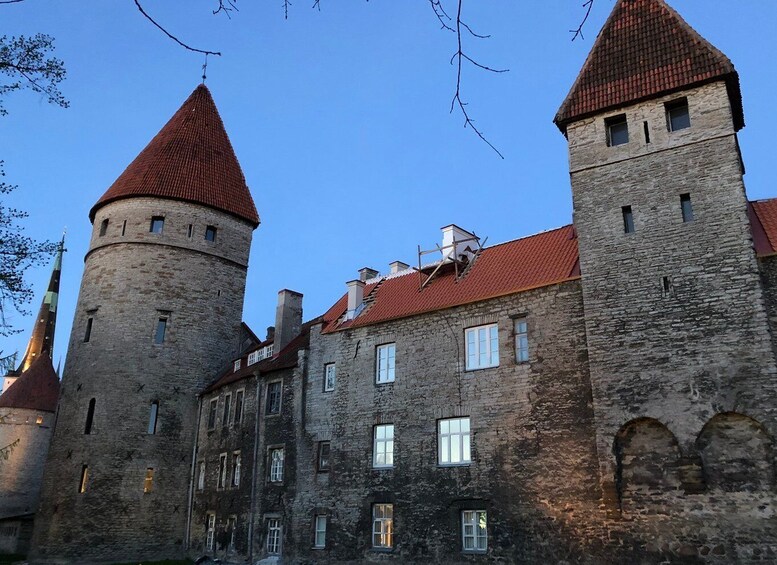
[148,483]
[123,227]
[161,328]
[84,479]
[191,231]
[89,417]
[210,234]
[157,224]
[103,227]
[686,207]
[617,130]
[647,132]
[666,285]
[628,219]
[88,332]
[677,115]
[152,418]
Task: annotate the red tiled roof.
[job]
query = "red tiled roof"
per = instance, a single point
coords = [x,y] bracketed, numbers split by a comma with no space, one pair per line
[646,49]
[523,264]
[36,389]
[763,223]
[190,159]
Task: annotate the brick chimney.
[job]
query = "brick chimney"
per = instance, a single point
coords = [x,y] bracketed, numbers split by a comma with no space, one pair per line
[270,333]
[288,319]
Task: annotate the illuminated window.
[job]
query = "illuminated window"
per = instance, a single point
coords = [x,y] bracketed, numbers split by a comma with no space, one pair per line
[383,526]
[148,483]
[473,530]
[84,479]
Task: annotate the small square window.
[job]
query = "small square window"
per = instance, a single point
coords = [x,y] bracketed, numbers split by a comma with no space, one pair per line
[330,375]
[104,227]
[474,533]
[157,224]
[319,538]
[274,398]
[521,340]
[482,347]
[677,115]
[161,329]
[210,233]
[686,207]
[617,130]
[323,457]
[383,446]
[453,441]
[628,219]
[276,465]
[383,526]
[385,361]
[212,414]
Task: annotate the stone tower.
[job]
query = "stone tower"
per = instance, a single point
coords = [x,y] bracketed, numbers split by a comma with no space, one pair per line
[158,313]
[675,317]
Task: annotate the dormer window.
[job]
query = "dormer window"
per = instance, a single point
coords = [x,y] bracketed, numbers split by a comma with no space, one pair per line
[210,234]
[157,224]
[237,365]
[677,115]
[617,130]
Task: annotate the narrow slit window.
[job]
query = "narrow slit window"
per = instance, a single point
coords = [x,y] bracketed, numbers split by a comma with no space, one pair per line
[89,417]
[123,227]
[161,329]
[201,476]
[686,207]
[104,227]
[628,219]
[157,224]
[323,456]
[88,332]
[210,234]
[191,231]
[677,115]
[617,130]
[666,285]
[319,540]
[148,483]
[152,418]
[647,132]
[84,479]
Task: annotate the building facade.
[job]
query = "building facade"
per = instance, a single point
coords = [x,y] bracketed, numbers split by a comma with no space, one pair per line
[598,393]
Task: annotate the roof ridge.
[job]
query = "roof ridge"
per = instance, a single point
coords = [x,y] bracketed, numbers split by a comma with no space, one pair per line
[536,234]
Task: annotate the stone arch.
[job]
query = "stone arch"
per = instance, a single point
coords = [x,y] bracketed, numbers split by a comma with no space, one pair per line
[736,453]
[647,457]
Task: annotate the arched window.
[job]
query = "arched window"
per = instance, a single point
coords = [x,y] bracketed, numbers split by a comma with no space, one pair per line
[89,417]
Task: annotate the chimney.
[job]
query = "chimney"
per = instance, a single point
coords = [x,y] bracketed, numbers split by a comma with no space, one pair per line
[366,273]
[355,298]
[397,266]
[288,319]
[465,243]
[270,333]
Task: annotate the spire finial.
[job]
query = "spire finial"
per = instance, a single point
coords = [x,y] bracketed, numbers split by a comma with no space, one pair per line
[204,69]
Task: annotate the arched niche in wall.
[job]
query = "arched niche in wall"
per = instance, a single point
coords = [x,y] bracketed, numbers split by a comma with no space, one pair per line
[736,452]
[647,457]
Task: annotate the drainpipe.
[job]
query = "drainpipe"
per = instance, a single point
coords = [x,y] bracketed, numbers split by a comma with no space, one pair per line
[191,475]
[253,474]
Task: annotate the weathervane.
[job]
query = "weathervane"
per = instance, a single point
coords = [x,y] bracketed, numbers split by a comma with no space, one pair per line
[204,69]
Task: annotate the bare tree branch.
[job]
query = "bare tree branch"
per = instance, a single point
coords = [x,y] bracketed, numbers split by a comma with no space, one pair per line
[227,7]
[171,36]
[441,14]
[588,4]
[286,4]
[10,1]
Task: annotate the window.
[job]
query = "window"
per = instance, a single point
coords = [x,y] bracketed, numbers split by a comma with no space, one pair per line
[319,539]
[236,365]
[677,115]
[384,371]
[453,436]
[482,347]
[84,479]
[152,417]
[646,129]
[157,224]
[329,377]
[148,483]
[222,480]
[236,469]
[161,328]
[253,357]
[210,234]
[89,417]
[473,530]
[686,207]
[232,528]
[274,536]
[383,446]
[276,465]
[103,227]
[212,414]
[521,340]
[190,231]
[628,219]
[123,227]
[323,457]
[617,130]
[201,476]
[382,526]
[239,399]
[210,531]
[274,398]
[227,408]
[88,333]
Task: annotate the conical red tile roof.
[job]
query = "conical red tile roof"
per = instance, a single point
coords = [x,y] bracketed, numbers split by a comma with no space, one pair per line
[190,159]
[646,49]
[36,389]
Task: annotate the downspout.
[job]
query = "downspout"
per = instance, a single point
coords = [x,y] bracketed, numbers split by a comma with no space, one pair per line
[191,474]
[253,474]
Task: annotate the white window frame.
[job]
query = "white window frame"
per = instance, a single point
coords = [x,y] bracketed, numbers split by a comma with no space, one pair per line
[385,363]
[201,476]
[521,330]
[383,526]
[222,478]
[240,396]
[454,435]
[475,339]
[383,446]
[474,531]
[268,403]
[232,526]
[274,535]
[319,530]
[330,377]
[236,365]
[210,532]
[236,462]
[253,357]
[276,458]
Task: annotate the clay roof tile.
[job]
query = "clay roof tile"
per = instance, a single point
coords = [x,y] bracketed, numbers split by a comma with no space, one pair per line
[36,389]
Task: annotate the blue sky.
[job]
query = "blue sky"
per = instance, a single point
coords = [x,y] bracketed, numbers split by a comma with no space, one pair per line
[340,120]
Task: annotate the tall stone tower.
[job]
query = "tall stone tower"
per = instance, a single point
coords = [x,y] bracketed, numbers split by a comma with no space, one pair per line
[158,313]
[675,318]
